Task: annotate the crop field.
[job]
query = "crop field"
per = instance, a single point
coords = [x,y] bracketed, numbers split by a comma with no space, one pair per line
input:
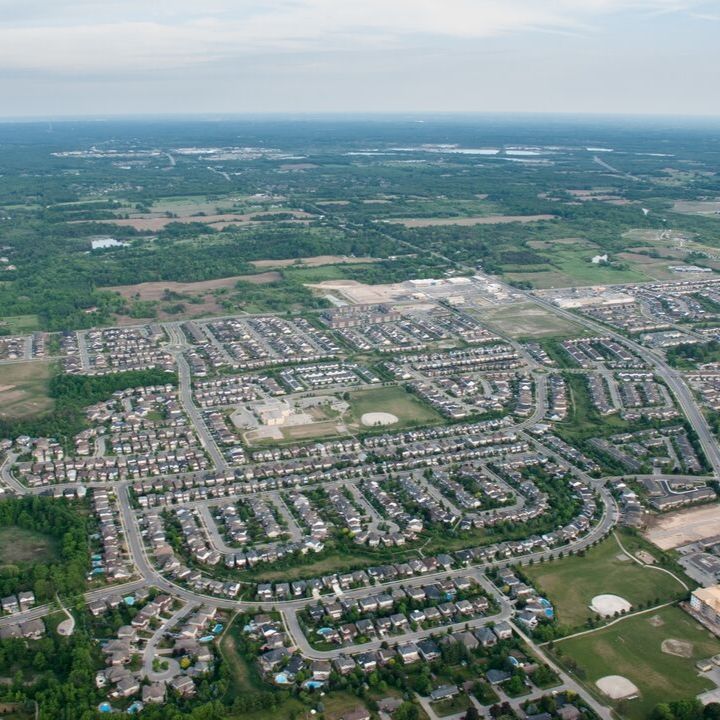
[24,389]
[571,583]
[19,546]
[633,648]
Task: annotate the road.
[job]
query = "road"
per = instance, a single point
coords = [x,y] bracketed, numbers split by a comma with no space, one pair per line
[672,378]
[178,343]
[600,709]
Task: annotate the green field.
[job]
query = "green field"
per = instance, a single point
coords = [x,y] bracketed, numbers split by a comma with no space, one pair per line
[408,409]
[633,648]
[19,546]
[24,389]
[571,583]
[18,324]
[527,320]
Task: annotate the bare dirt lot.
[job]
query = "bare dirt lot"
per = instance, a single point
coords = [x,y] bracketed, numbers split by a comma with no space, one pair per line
[476,220]
[156,290]
[316,261]
[680,648]
[683,527]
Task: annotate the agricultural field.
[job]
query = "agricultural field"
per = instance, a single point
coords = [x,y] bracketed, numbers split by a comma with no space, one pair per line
[24,389]
[656,651]
[572,583]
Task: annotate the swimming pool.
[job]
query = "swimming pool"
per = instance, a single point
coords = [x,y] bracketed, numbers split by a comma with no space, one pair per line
[281,679]
[105,707]
[313,684]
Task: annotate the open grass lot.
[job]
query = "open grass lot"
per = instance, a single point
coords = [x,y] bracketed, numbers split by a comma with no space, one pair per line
[571,583]
[391,399]
[570,270]
[19,546]
[527,320]
[17,324]
[632,648]
[452,706]
[24,389]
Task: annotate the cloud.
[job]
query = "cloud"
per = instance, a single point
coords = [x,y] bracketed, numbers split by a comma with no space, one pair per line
[114,36]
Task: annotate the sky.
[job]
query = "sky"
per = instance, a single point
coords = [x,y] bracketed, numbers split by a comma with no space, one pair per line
[117,57]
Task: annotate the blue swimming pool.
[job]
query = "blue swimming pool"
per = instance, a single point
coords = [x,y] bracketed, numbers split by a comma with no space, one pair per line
[217,629]
[206,638]
[313,684]
[105,707]
[281,679]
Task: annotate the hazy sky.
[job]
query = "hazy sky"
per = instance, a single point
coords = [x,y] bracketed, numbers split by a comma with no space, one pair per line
[100,57]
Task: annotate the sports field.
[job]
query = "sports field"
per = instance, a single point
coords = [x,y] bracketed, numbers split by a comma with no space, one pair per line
[633,648]
[571,583]
[392,399]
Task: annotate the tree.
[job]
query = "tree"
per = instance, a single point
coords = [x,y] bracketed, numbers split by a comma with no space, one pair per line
[472,713]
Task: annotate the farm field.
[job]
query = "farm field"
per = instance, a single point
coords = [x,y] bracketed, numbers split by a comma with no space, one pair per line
[19,546]
[24,389]
[633,648]
[571,583]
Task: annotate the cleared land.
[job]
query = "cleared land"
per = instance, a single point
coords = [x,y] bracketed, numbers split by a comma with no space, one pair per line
[475,220]
[19,546]
[572,583]
[20,323]
[24,389]
[527,320]
[633,649]
[316,261]
[683,527]
[153,223]
[698,207]
[156,290]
